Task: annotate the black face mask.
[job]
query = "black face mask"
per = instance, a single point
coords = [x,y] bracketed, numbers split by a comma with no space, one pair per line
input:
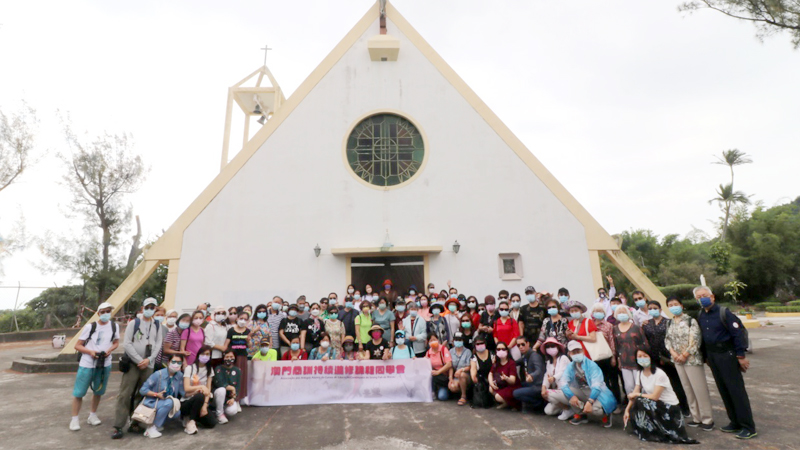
[229,362]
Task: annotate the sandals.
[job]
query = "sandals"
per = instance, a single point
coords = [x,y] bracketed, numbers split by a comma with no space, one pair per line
[462,401]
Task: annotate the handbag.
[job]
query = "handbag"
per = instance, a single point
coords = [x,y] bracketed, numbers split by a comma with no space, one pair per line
[145,414]
[481,397]
[599,349]
[124,363]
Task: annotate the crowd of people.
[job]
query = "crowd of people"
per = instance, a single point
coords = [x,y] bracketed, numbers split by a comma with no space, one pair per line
[536,352]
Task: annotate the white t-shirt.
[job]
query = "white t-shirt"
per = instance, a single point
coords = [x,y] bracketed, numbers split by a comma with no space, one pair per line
[202,374]
[100,342]
[659,378]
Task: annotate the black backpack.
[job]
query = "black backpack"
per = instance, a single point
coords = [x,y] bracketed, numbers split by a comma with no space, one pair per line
[114,333]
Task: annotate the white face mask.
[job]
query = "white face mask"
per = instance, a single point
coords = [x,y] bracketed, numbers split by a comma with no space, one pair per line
[324,344]
[241,323]
[220,317]
[350,291]
[171,321]
[315,312]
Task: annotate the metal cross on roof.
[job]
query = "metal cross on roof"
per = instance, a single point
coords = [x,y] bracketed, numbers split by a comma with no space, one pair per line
[266,49]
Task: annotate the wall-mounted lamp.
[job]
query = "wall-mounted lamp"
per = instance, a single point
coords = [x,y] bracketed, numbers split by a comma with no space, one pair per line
[317,250]
[456,246]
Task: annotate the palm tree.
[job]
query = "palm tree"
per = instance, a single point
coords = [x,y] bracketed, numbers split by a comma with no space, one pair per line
[727,197]
[733,157]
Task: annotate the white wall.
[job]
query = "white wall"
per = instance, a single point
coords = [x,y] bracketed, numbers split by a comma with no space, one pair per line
[256,238]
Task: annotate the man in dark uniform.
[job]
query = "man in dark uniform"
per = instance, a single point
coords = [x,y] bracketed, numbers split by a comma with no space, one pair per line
[531,315]
[725,345]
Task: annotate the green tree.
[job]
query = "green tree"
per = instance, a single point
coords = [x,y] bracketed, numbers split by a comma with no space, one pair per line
[17,140]
[727,198]
[769,16]
[733,157]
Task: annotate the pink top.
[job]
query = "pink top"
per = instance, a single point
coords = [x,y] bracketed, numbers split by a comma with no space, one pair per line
[194,340]
[440,358]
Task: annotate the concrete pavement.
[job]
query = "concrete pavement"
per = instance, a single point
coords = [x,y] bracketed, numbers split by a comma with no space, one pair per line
[36,415]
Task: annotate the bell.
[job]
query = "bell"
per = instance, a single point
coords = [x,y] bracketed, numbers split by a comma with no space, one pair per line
[257,110]
[262,120]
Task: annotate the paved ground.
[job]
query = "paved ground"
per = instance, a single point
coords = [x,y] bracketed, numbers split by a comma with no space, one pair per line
[35,415]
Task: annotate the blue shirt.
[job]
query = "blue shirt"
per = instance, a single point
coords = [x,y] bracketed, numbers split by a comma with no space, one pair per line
[715,332]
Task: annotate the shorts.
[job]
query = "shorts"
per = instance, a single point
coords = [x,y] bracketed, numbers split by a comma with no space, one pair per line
[85,378]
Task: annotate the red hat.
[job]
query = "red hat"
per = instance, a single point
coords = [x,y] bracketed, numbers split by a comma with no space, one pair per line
[448,302]
[389,282]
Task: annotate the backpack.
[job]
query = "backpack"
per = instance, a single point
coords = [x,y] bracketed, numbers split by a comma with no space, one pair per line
[114,333]
[722,317]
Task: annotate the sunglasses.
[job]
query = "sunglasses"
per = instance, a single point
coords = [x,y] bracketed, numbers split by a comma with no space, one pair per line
[503,309]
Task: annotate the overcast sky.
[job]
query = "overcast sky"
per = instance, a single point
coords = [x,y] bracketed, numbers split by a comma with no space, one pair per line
[626,102]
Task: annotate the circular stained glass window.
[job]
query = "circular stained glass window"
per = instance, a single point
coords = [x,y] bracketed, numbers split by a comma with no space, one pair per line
[385,150]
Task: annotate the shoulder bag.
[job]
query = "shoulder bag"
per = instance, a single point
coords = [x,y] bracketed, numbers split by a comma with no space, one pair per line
[599,349]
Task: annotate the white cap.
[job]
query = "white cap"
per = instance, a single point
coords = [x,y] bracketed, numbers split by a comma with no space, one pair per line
[574,345]
[105,305]
[150,301]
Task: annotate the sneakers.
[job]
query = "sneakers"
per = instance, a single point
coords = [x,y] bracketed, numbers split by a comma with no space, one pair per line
[94,420]
[607,421]
[565,414]
[693,424]
[744,434]
[708,427]
[152,432]
[191,427]
[221,418]
[74,424]
[239,407]
[117,434]
[730,428]
[579,419]
[619,410]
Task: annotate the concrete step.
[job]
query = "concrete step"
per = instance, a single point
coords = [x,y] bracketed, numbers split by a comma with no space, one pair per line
[27,366]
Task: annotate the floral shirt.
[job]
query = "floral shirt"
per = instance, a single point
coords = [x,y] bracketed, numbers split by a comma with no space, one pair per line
[656,333]
[260,331]
[557,329]
[627,343]
[684,335]
[335,329]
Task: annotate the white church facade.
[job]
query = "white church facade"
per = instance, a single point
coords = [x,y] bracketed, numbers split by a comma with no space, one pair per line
[383,164]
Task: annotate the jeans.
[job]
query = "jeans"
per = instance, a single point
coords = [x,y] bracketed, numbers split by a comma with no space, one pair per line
[531,396]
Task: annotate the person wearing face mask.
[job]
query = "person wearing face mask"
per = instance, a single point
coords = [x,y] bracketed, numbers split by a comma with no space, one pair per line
[363,323]
[412,293]
[654,406]
[227,378]
[563,299]
[480,367]
[401,349]
[95,344]
[604,296]
[474,312]
[581,329]
[290,328]
[488,317]
[553,325]
[274,318]
[683,342]
[607,365]
[314,327]
[400,313]
[416,330]
[325,351]
[655,330]
[431,290]
[506,330]
[295,352]
[377,346]
[193,337]
[237,340]
[265,351]
[462,303]
[384,317]
[461,358]
[335,329]
[639,315]
[216,333]
[349,351]
[441,367]
[628,338]
[466,329]
[437,326]
[451,317]
[531,315]
[160,316]
[303,308]
[555,365]
[516,303]
[504,379]
[351,290]
[170,321]
[161,391]
[725,344]
[583,389]
[258,329]
[613,305]
[172,341]
[423,307]
[233,313]
[347,316]
[388,291]
[143,338]
[249,310]
[197,378]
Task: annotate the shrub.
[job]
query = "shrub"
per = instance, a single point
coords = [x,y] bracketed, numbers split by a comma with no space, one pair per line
[682,291]
[793,303]
[764,305]
[783,309]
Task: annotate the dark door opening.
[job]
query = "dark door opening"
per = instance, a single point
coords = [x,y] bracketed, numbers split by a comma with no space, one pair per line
[404,271]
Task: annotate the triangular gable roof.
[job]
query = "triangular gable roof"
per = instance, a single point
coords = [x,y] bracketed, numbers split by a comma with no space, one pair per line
[168,247]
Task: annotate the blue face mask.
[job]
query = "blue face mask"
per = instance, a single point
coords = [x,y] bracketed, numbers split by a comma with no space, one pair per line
[276,306]
[105,317]
[578,357]
[261,315]
[705,302]
[654,313]
[400,308]
[306,308]
[644,362]
[575,315]
[348,304]
[552,311]
[531,297]
[387,287]
[458,344]
[413,313]
[614,307]
[292,313]
[640,303]
[149,313]
[466,324]
[623,318]
[183,325]
[599,315]
[563,298]
[158,319]
[676,310]
[358,297]
[295,346]
[503,313]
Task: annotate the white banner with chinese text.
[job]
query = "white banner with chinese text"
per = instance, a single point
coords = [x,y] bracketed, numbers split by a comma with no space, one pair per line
[321,382]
